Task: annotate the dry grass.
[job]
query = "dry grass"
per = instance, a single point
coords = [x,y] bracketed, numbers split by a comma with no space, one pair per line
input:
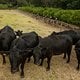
[59,69]
[23,22]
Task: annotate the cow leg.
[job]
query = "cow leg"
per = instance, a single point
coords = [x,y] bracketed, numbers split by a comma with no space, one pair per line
[22,71]
[48,61]
[41,62]
[68,54]
[4,61]
[78,65]
[22,68]
[28,60]
[64,56]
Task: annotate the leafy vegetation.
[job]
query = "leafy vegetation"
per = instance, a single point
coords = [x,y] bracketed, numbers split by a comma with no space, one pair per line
[3,6]
[64,4]
[69,16]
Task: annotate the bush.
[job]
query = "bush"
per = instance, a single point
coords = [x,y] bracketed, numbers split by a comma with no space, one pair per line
[69,16]
[3,6]
[49,12]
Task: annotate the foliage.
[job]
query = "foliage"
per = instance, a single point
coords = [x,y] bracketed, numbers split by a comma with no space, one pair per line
[69,16]
[64,4]
[3,6]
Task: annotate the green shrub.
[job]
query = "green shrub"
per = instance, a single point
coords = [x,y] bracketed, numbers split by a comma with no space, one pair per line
[69,16]
[49,12]
[3,6]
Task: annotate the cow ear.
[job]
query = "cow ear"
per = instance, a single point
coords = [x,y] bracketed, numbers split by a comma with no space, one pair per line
[21,31]
[15,32]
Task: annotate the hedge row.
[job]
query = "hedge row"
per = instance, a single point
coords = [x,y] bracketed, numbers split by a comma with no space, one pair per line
[6,6]
[3,6]
[69,16]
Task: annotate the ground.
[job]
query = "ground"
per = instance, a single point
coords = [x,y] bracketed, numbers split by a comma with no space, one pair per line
[60,70]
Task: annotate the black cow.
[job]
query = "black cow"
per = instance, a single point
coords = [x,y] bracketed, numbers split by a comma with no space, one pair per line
[74,34]
[77,50]
[49,46]
[21,49]
[7,35]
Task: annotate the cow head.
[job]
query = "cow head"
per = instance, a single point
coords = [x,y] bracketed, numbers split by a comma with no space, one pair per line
[53,33]
[15,59]
[19,33]
[38,53]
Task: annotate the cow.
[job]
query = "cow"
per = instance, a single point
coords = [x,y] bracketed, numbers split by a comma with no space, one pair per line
[77,50]
[7,35]
[49,46]
[21,49]
[74,34]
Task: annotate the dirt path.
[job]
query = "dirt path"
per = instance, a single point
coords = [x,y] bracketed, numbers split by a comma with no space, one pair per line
[60,70]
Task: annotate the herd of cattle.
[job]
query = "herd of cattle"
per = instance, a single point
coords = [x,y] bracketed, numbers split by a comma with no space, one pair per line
[30,44]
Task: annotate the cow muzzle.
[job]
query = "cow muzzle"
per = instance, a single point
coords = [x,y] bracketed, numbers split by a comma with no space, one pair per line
[37,63]
[14,71]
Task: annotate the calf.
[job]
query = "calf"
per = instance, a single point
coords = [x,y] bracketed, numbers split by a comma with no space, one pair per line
[77,50]
[50,46]
[21,49]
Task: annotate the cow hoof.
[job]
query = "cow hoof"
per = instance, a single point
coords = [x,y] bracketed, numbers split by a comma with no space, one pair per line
[4,63]
[67,61]
[47,69]
[28,61]
[40,65]
[77,68]
[64,57]
[22,76]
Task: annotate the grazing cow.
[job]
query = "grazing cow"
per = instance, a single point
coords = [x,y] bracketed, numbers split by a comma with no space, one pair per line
[7,35]
[19,33]
[21,49]
[49,46]
[77,50]
[74,34]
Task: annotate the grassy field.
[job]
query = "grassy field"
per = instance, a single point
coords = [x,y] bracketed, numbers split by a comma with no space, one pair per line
[59,69]
[20,21]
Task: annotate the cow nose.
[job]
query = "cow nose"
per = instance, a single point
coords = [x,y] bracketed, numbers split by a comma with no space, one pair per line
[14,71]
[37,63]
